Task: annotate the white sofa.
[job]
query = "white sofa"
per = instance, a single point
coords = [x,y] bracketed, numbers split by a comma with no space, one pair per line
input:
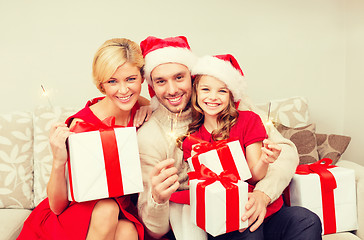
[25,164]
[25,161]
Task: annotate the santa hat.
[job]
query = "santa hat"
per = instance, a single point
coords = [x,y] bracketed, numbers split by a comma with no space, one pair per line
[157,51]
[226,69]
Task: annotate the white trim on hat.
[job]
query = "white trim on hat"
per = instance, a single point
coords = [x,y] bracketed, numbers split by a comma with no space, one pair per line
[224,71]
[167,55]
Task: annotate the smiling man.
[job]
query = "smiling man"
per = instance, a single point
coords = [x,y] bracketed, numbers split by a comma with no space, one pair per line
[170,85]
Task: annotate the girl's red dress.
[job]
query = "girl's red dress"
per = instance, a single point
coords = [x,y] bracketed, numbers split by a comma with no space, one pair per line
[248,129]
[73,222]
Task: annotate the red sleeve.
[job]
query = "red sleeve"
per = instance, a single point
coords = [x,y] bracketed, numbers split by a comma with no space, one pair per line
[187,148]
[254,130]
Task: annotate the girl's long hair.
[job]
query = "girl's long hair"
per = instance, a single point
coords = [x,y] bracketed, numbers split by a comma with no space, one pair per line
[226,119]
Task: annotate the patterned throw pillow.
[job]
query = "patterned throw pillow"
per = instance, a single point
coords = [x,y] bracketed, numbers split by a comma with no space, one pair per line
[16,160]
[291,112]
[305,140]
[332,146]
[44,118]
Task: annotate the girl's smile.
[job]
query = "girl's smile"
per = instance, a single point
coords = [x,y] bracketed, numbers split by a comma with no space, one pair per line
[213,96]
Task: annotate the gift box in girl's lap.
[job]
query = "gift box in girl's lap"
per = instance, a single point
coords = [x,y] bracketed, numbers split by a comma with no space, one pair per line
[327,191]
[218,202]
[103,164]
[219,156]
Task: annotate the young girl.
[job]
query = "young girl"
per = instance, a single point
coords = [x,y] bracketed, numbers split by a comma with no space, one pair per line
[217,91]
[117,70]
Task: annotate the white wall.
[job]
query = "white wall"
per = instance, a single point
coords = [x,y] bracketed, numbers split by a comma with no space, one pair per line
[354,80]
[286,48]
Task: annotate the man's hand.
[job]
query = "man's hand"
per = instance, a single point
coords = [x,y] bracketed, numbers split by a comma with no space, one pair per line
[164,181]
[256,208]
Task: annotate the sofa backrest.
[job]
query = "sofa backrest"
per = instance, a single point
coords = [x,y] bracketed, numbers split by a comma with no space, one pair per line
[291,112]
[25,155]
[44,118]
[16,160]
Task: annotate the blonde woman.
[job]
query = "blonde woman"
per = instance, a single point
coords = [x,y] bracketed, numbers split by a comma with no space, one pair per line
[117,73]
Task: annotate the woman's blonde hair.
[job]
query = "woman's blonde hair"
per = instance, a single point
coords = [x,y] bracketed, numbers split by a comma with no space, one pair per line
[226,119]
[111,55]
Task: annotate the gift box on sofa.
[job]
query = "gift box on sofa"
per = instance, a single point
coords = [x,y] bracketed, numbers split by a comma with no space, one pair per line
[103,163]
[329,192]
[219,156]
[217,201]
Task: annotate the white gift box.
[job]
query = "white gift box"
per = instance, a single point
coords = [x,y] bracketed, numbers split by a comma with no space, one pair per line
[211,160]
[215,206]
[88,171]
[305,191]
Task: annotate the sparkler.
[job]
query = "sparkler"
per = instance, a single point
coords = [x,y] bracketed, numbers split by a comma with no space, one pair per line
[269,122]
[46,95]
[174,120]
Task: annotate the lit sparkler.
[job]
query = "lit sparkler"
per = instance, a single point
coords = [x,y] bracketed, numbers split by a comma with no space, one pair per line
[269,122]
[46,95]
[174,120]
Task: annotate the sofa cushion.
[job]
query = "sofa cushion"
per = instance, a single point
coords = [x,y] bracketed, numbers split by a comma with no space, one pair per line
[44,118]
[332,146]
[16,160]
[340,236]
[291,112]
[11,222]
[305,140]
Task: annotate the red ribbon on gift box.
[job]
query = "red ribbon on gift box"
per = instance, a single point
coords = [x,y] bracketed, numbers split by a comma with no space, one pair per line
[110,151]
[328,184]
[232,196]
[222,149]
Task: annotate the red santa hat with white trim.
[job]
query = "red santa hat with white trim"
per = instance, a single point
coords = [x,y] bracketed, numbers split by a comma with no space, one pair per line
[157,51]
[225,68]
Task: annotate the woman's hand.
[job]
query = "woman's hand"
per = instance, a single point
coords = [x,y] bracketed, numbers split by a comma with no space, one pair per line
[142,115]
[57,138]
[270,151]
[57,187]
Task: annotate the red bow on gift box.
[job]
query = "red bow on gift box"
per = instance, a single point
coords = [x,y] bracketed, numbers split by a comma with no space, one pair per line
[222,149]
[232,196]
[110,152]
[328,184]
[226,178]
[105,124]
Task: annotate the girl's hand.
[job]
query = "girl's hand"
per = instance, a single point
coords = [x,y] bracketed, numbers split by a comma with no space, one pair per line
[57,138]
[142,115]
[270,151]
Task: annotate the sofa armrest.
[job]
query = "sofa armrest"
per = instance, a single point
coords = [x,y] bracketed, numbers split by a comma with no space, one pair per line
[359,179]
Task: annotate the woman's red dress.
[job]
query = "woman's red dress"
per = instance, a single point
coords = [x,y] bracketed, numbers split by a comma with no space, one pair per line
[73,222]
